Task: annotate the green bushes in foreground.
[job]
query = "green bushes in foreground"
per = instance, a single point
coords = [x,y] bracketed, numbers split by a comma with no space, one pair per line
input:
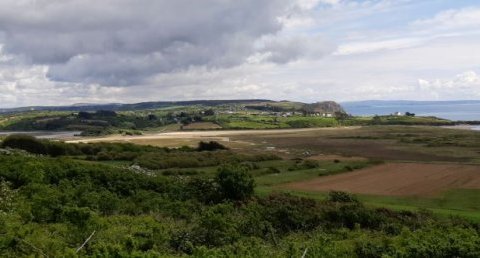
[50,206]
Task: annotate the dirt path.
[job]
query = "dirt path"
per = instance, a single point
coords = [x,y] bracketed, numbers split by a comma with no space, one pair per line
[223,134]
[398,179]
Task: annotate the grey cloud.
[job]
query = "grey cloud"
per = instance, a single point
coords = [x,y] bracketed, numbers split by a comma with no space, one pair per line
[122,42]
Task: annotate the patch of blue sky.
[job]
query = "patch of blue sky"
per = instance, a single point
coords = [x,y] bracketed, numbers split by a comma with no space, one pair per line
[394,16]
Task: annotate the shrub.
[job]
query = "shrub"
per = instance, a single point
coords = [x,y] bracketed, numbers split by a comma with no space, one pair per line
[273,170]
[204,190]
[309,164]
[25,142]
[7,197]
[210,146]
[288,213]
[77,216]
[217,226]
[338,196]
[235,182]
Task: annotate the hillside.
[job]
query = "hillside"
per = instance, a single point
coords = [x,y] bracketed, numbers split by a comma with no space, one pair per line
[325,107]
[134,106]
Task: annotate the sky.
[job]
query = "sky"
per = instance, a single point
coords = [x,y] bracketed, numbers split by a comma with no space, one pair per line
[61,52]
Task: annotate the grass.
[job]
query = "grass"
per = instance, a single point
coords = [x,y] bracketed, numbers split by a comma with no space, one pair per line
[397,143]
[250,121]
[325,168]
[459,202]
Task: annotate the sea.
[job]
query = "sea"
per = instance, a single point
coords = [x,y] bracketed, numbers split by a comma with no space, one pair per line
[452,110]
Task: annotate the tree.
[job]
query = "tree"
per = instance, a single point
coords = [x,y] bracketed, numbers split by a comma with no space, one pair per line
[209,112]
[235,182]
[410,114]
[152,117]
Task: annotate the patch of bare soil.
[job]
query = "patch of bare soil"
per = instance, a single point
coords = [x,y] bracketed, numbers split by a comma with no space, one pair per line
[398,179]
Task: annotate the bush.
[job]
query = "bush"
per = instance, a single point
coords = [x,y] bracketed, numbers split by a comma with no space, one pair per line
[288,213]
[7,197]
[339,196]
[204,190]
[210,146]
[309,164]
[273,170]
[235,182]
[24,142]
[77,216]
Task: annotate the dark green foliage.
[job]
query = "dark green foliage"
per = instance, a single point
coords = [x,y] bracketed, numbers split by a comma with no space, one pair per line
[235,182]
[106,113]
[288,213]
[305,164]
[49,206]
[84,115]
[336,196]
[24,142]
[210,146]
[205,190]
[209,112]
[182,159]
[7,197]
[273,170]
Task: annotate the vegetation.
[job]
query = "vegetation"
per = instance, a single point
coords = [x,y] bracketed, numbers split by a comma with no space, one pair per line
[119,197]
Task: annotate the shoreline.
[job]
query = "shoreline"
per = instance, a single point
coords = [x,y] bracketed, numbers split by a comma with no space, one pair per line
[463,127]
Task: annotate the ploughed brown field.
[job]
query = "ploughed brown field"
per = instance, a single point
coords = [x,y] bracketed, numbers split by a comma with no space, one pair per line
[398,179]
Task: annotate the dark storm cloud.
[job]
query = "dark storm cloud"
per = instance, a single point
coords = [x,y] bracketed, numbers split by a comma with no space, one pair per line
[122,42]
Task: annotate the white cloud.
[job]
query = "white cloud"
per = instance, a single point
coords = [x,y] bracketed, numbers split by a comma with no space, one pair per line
[467,81]
[452,19]
[373,46]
